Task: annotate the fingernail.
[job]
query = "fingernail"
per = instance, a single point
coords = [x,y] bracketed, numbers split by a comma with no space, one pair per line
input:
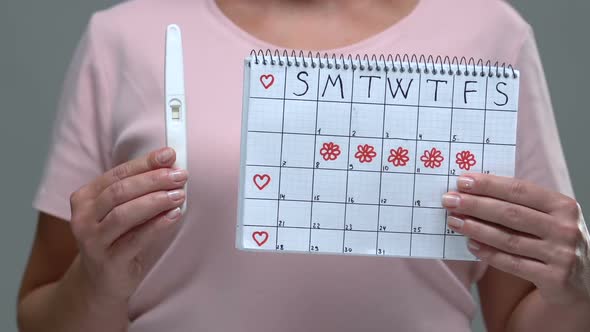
[178,175]
[454,222]
[173,214]
[165,156]
[465,182]
[472,245]
[176,195]
[451,200]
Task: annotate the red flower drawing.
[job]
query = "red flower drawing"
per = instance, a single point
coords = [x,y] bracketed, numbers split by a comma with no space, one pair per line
[365,153]
[465,160]
[330,151]
[432,158]
[398,157]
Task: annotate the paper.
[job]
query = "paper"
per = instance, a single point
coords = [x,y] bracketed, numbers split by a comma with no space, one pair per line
[355,161]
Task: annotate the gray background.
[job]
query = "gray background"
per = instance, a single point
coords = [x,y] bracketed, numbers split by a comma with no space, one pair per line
[38,38]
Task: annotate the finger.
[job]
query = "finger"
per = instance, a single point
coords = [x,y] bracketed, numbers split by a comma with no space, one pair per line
[164,157]
[133,213]
[516,217]
[510,190]
[499,238]
[131,243]
[522,267]
[138,185]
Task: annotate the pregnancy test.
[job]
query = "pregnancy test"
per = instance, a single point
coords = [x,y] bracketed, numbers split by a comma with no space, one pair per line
[175,99]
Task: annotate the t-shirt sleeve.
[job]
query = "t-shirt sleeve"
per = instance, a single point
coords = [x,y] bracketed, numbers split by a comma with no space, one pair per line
[539,155]
[79,144]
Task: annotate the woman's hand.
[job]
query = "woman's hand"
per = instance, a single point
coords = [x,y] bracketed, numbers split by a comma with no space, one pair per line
[525,230]
[118,215]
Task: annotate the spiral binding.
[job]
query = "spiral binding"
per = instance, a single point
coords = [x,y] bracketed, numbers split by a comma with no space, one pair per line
[391,62]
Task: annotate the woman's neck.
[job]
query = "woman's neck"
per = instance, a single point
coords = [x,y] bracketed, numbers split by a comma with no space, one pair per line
[315,24]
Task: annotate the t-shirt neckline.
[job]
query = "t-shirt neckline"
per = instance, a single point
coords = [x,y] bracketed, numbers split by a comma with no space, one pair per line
[390,34]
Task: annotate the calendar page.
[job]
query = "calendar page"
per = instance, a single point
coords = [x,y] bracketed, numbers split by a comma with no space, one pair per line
[352,157]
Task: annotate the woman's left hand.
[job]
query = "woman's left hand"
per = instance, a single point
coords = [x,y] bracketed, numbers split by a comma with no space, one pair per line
[525,230]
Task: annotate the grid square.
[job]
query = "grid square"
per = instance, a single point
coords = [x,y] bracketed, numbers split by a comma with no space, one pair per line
[399,155]
[302,83]
[259,238]
[499,159]
[294,239]
[329,186]
[424,245]
[455,248]
[428,156]
[329,241]
[369,86]
[395,219]
[335,85]
[500,127]
[297,150]
[294,214]
[265,115]
[260,212]
[299,116]
[327,215]
[436,90]
[434,124]
[465,158]
[263,149]
[400,122]
[365,154]
[295,184]
[261,182]
[267,81]
[331,152]
[467,126]
[470,92]
[429,190]
[393,244]
[333,119]
[363,243]
[397,189]
[361,217]
[366,120]
[427,220]
[363,187]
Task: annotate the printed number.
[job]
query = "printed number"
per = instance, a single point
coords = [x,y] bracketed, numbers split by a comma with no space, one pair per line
[316,197]
[317,164]
[418,170]
[280,247]
[347,249]
[350,166]
[314,248]
[315,225]
[348,227]
[353,133]
[281,223]
[384,200]
[385,168]
[487,140]
[319,131]
[386,134]
[350,200]
[454,138]
[284,163]
[419,136]
[418,229]
[453,171]
[380,251]
[382,228]
[417,203]
[450,231]
[486,172]
[281,196]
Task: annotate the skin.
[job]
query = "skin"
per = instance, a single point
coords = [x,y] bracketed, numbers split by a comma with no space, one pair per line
[83,281]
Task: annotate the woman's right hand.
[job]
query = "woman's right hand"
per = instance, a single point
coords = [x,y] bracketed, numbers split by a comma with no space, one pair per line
[116,217]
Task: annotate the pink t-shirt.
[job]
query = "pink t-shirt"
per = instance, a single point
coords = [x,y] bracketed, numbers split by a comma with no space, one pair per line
[112,111]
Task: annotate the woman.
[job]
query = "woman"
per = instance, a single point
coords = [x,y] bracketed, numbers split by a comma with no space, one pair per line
[128,261]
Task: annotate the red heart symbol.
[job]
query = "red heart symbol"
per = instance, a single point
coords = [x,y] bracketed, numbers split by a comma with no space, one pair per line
[267,80]
[260,237]
[261,180]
